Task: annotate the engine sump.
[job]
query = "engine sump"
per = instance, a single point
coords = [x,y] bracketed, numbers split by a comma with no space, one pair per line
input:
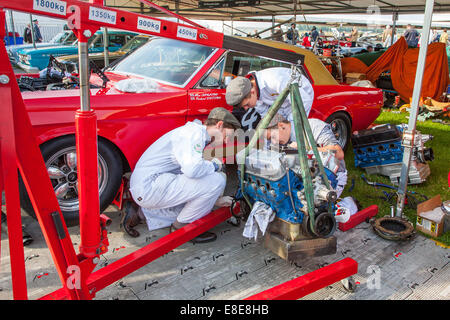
[289,242]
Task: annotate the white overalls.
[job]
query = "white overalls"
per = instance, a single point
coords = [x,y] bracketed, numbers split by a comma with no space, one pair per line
[172,181]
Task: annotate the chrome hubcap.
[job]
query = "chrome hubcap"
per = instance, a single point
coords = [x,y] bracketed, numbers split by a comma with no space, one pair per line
[62,170]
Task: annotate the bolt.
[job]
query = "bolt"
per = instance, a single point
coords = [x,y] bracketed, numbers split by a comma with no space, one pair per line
[95,260]
[4,79]
[87,33]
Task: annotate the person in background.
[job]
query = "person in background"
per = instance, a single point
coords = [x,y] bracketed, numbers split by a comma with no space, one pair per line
[444,37]
[257,35]
[305,42]
[354,36]
[387,36]
[412,36]
[292,34]
[278,34]
[37,32]
[314,35]
[434,36]
[27,38]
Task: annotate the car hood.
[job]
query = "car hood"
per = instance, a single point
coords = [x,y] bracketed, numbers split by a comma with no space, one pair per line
[49,50]
[17,47]
[100,55]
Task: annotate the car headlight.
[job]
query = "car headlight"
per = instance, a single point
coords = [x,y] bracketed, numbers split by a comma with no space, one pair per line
[25,58]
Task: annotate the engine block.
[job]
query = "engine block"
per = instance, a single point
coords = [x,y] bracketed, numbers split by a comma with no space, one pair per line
[379,150]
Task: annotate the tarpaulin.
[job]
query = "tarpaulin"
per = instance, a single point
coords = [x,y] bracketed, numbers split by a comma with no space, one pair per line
[402,63]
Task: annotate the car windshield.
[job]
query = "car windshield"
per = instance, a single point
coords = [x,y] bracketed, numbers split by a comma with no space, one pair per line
[59,38]
[69,39]
[134,43]
[165,60]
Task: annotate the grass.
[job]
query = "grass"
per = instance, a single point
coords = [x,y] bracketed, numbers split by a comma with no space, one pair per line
[437,182]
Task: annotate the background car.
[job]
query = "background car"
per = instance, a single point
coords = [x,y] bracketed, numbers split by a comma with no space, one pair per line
[71,61]
[66,37]
[186,82]
[33,60]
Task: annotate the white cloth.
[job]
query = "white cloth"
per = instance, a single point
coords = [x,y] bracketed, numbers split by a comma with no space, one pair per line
[260,216]
[172,174]
[345,209]
[137,85]
[271,82]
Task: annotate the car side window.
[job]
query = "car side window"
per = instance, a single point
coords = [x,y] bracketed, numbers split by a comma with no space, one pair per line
[240,64]
[214,77]
[116,40]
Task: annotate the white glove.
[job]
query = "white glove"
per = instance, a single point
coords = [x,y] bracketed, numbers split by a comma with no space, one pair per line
[217,164]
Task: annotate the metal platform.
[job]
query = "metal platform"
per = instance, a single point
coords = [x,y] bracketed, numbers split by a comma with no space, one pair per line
[234,267]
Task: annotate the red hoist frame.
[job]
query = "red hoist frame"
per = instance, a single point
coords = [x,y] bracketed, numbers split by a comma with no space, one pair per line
[19,150]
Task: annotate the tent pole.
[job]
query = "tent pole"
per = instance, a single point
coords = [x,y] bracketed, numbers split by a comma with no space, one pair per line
[409,135]
[394,26]
[12,26]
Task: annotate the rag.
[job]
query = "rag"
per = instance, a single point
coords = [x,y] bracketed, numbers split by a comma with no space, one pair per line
[260,216]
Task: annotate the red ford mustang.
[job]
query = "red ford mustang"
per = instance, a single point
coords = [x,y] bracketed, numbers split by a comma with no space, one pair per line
[189,82]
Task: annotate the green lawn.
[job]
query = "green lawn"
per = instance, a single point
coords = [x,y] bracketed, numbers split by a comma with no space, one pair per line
[437,182]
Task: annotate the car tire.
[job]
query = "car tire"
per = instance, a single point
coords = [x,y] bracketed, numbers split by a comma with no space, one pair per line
[59,154]
[341,125]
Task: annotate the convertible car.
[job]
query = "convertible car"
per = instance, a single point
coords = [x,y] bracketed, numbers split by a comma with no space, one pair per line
[188,80]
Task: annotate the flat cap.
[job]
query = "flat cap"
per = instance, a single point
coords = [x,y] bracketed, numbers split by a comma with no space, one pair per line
[237,90]
[275,120]
[224,115]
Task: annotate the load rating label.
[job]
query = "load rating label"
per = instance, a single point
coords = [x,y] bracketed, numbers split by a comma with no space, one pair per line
[102,15]
[187,33]
[148,25]
[51,6]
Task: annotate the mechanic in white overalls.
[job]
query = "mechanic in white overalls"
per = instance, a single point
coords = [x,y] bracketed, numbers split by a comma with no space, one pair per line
[253,95]
[172,185]
[257,92]
[281,132]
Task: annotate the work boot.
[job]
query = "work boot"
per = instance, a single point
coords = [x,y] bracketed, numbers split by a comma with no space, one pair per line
[131,219]
[203,238]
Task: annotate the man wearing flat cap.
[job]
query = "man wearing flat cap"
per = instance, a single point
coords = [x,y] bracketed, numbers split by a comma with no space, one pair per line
[253,95]
[172,185]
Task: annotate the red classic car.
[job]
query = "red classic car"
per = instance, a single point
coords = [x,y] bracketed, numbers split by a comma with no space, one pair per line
[190,82]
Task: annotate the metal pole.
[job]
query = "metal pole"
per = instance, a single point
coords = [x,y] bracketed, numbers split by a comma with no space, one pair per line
[106,43]
[32,31]
[409,135]
[11,17]
[273,25]
[394,26]
[6,30]
[106,46]
[84,76]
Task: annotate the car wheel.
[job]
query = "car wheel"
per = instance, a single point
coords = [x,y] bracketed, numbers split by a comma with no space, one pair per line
[61,161]
[341,125]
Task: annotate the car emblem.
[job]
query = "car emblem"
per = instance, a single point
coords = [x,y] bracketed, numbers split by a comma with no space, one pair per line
[203,36]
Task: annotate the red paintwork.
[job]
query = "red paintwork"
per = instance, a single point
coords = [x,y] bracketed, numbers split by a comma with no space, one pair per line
[359,217]
[137,259]
[310,282]
[134,121]
[334,41]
